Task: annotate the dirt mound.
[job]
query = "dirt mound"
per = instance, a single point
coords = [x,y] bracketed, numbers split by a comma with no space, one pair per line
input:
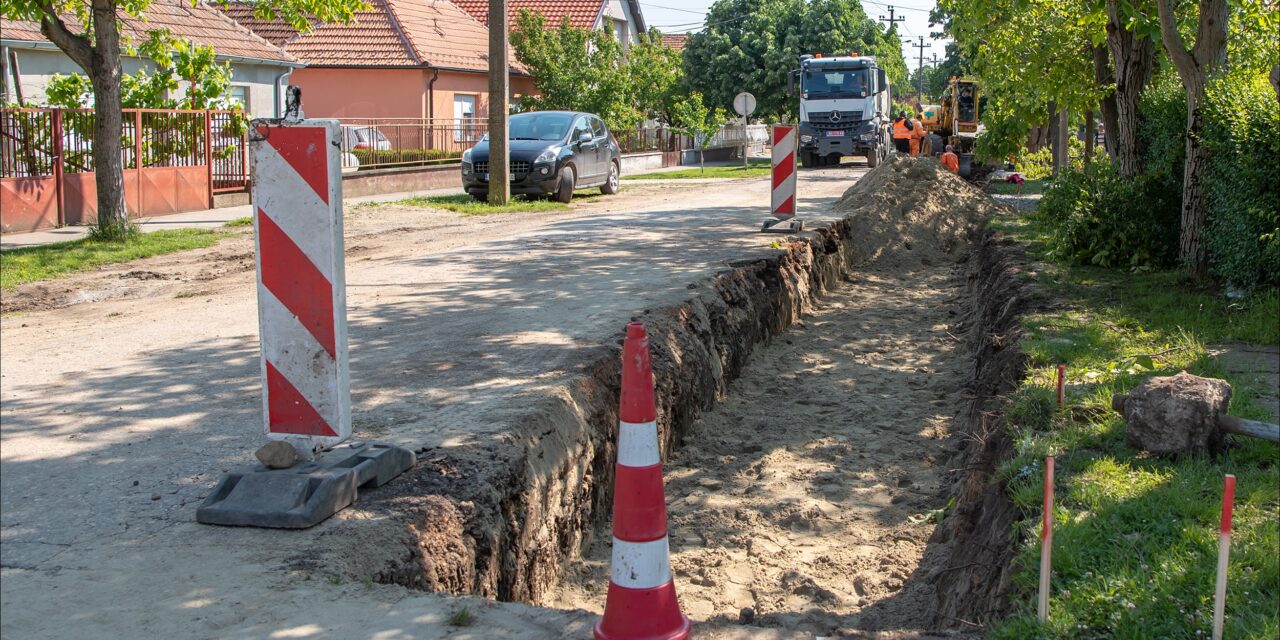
[912,211]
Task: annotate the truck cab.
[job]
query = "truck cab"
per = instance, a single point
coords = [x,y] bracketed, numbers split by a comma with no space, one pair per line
[844,109]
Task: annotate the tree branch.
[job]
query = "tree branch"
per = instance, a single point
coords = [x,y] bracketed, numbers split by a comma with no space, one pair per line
[75,46]
[1173,45]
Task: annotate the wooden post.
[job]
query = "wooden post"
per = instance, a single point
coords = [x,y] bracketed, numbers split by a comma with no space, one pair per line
[208,151]
[1062,374]
[1046,542]
[1224,551]
[499,105]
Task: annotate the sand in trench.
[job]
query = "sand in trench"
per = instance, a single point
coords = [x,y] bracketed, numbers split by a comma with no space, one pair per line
[805,494]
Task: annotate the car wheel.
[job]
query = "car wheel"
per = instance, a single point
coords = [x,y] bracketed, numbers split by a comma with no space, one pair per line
[480,197]
[564,187]
[610,186]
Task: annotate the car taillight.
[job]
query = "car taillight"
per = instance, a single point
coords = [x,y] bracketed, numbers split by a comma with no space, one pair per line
[362,145]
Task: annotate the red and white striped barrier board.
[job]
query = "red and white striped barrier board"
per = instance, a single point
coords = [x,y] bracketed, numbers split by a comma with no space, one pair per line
[1046,542]
[302,307]
[642,593]
[784,171]
[1224,553]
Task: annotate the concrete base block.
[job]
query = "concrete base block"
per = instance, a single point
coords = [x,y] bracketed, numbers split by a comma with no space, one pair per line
[775,225]
[304,495]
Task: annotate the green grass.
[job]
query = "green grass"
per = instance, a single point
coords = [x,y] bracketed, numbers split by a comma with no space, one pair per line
[28,264]
[1028,187]
[246,221]
[1135,546]
[754,170]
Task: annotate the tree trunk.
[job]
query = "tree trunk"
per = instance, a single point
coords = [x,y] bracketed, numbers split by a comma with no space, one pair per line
[104,75]
[1090,135]
[1053,137]
[1103,75]
[1133,57]
[1194,68]
[1195,206]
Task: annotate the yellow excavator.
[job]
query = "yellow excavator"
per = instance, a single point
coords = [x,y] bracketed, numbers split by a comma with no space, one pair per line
[954,122]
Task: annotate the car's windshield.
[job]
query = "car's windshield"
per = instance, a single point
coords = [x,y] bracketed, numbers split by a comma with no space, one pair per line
[539,126]
[836,83]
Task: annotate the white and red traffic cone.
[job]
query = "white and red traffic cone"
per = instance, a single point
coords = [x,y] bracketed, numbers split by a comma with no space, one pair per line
[642,593]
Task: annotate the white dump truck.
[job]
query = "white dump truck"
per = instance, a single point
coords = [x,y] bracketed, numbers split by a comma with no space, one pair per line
[845,106]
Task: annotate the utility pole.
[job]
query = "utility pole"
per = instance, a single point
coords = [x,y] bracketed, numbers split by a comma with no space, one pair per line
[499,105]
[935,60]
[922,46]
[891,20]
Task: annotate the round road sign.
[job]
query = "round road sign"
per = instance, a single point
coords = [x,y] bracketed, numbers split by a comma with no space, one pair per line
[744,103]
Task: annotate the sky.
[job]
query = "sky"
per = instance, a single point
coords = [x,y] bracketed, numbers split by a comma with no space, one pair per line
[681,16]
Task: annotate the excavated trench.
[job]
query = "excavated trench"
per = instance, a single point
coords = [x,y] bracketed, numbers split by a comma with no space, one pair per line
[506,518]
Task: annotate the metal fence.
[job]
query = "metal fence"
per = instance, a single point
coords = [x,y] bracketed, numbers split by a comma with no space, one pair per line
[658,138]
[375,143]
[174,160]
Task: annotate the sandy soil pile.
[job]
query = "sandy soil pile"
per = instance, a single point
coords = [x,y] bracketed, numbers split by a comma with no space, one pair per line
[914,212]
[806,500]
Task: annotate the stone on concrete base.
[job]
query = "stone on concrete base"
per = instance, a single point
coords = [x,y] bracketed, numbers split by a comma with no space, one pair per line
[1177,414]
[304,495]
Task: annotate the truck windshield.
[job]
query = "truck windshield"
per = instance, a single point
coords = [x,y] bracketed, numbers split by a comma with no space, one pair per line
[835,83]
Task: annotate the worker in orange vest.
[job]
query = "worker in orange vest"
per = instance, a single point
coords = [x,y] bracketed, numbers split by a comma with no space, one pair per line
[917,134]
[902,132]
[951,161]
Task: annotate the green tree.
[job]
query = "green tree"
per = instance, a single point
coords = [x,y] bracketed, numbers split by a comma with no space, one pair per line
[654,75]
[694,118]
[752,45]
[173,62]
[1196,66]
[576,69]
[88,31]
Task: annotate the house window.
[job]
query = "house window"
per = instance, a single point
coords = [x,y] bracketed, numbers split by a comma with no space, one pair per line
[621,32]
[464,110]
[240,96]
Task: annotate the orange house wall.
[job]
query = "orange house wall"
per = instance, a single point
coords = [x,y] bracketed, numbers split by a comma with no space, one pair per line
[391,93]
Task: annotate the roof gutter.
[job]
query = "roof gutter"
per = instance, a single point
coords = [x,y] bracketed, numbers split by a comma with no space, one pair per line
[276,110]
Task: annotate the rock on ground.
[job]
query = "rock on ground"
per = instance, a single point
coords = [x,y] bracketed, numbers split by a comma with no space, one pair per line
[1171,415]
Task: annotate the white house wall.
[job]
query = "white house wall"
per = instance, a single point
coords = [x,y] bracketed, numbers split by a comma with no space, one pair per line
[38,66]
[618,9]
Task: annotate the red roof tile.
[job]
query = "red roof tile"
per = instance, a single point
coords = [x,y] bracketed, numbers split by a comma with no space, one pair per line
[393,33]
[200,24]
[675,41]
[582,13]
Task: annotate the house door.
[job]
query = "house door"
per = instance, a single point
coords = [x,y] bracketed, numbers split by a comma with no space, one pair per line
[464,111]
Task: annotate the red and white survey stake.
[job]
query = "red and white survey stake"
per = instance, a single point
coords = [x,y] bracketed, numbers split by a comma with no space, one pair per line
[1224,550]
[1062,373]
[302,306]
[1046,541]
[784,171]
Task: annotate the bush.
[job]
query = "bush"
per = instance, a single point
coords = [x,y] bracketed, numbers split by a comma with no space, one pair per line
[1095,217]
[403,157]
[1035,165]
[1243,132]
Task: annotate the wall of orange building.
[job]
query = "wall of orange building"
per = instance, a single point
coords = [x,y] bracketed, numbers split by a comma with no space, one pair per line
[393,93]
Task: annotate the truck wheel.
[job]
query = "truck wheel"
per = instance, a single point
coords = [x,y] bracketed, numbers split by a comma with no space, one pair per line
[807,160]
[873,158]
[966,164]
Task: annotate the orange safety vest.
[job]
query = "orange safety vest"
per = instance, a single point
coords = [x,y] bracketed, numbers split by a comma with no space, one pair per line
[951,161]
[900,131]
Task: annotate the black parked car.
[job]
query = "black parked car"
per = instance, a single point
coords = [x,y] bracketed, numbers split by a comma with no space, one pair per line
[552,153]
